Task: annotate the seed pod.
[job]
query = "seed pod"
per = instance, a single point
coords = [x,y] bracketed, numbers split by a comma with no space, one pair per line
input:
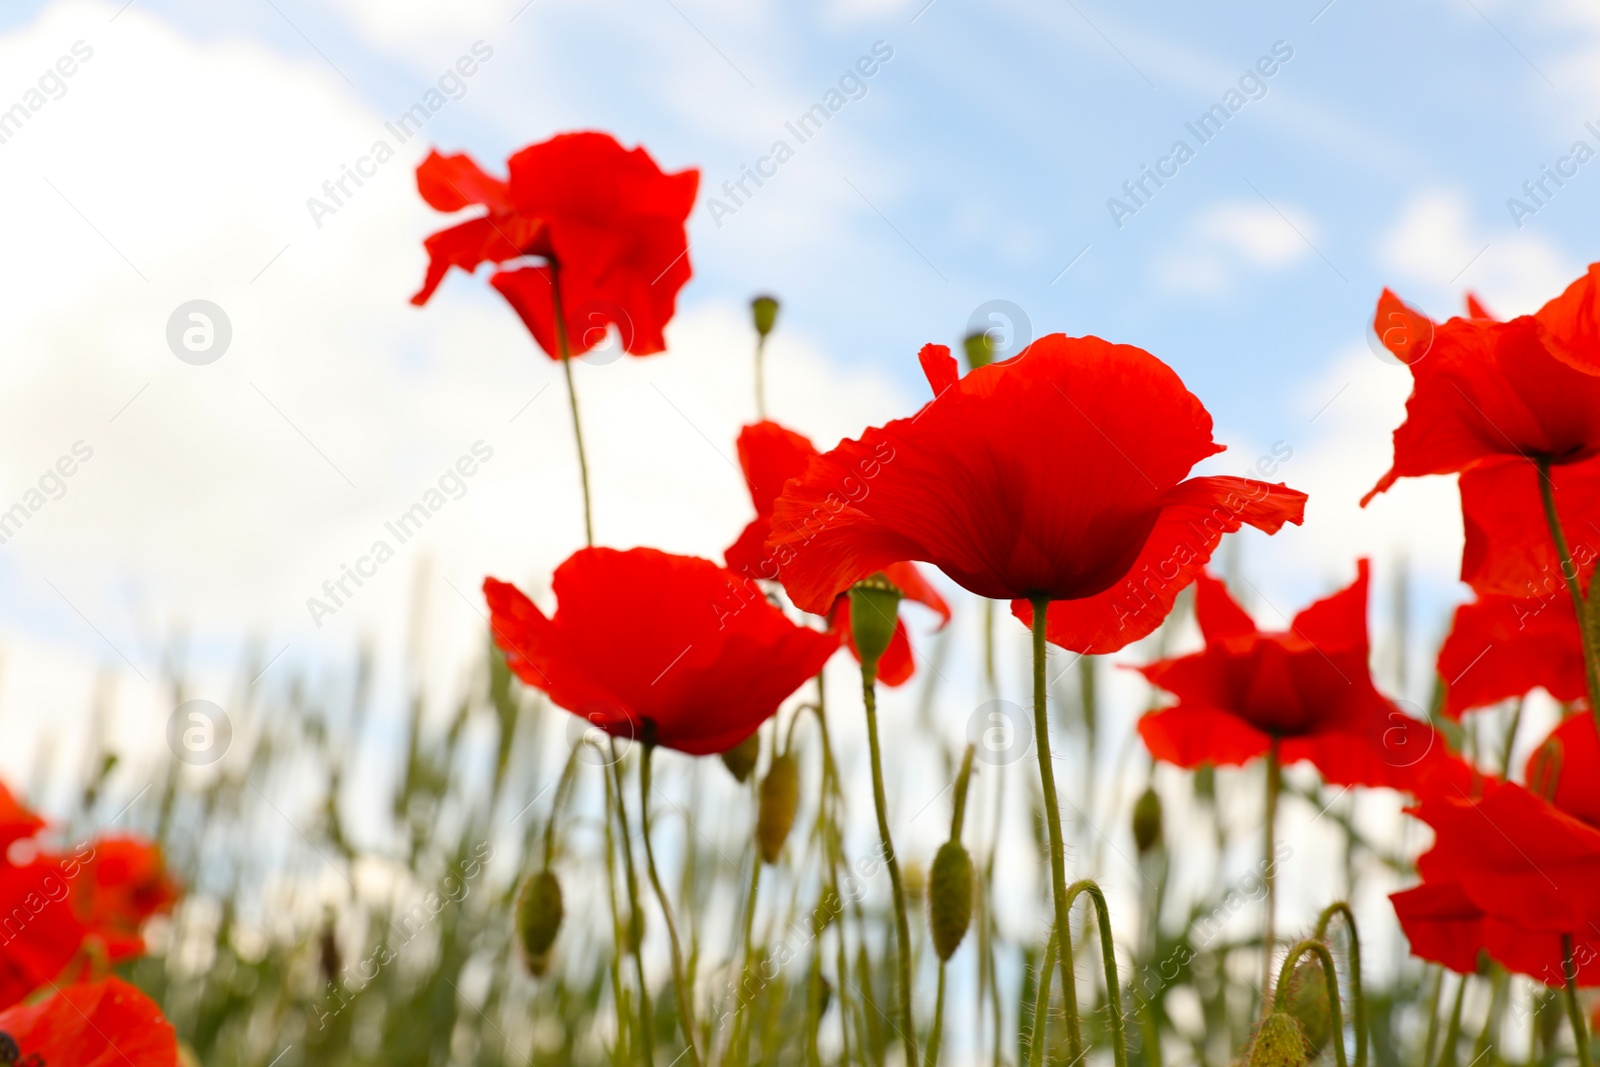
[1147,820]
[979,347]
[741,758]
[1308,1003]
[764,310]
[538,913]
[1277,1043]
[780,795]
[874,611]
[950,898]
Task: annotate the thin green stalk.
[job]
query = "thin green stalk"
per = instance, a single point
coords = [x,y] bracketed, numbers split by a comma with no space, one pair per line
[1108,957]
[1280,1001]
[761,376]
[620,994]
[1580,1029]
[957,818]
[1052,807]
[1511,739]
[742,995]
[1358,999]
[635,916]
[679,988]
[1268,868]
[1569,573]
[1452,1030]
[1041,1003]
[572,395]
[902,924]
[936,1035]
[1432,1040]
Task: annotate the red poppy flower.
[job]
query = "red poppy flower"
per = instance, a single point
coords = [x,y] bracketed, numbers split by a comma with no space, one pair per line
[122,886]
[607,221]
[16,822]
[1307,687]
[1510,858]
[1502,647]
[646,645]
[771,455]
[94,1024]
[1484,390]
[1059,473]
[39,933]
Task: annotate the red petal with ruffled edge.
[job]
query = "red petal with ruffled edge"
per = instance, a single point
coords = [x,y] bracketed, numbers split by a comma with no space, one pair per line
[1571,323]
[16,822]
[1044,474]
[1503,647]
[124,885]
[1178,548]
[95,1024]
[1485,390]
[657,647]
[1444,926]
[1509,550]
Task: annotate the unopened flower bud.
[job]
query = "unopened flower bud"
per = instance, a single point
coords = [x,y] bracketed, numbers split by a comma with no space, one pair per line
[1147,820]
[538,914]
[950,898]
[764,309]
[741,758]
[1277,1043]
[1544,769]
[874,611]
[1308,1003]
[780,796]
[980,349]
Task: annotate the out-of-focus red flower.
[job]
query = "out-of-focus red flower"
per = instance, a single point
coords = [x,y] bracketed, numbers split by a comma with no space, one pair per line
[1307,687]
[1486,391]
[39,932]
[16,822]
[124,884]
[606,220]
[668,649]
[770,456]
[1502,647]
[1513,869]
[93,1024]
[1059,473]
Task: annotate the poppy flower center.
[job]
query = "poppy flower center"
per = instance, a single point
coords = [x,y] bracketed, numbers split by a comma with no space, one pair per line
[11,1055]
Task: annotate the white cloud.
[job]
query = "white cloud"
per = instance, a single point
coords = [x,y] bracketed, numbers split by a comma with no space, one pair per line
[1229,238]
[1436,245]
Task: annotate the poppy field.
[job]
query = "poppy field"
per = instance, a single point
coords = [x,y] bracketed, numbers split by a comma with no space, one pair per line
[664,819]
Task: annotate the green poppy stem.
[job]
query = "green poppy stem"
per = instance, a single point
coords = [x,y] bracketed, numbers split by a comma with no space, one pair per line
[902,924]
[1580,1029]
[1052,808]
[1358,1000]
[680,988]
[565,350]
[1280,1001]
[1108,957]
[647,1035]
[1269,865]
[1569,573]
[1041,1003]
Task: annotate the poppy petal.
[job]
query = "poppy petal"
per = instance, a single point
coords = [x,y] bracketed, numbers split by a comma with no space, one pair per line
[95,1024]
[1503,647]
[450,183]
[1189,736]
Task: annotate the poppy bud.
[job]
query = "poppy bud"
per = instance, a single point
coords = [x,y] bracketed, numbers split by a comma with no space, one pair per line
[950,898]
[741,758]
[538,914]
[764,309]
[980,349]
[1308,1003]
[874,610]
[1277,1043]
[1147,820]
[780,795]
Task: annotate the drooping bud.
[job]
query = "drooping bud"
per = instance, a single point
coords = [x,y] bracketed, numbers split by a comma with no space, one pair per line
[980,349]
[538,915]
[1147,820]
[874,610]
[780,796]
[1308,1003]
[741,758]
[1277,1043]
[950,898]
[764,310]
